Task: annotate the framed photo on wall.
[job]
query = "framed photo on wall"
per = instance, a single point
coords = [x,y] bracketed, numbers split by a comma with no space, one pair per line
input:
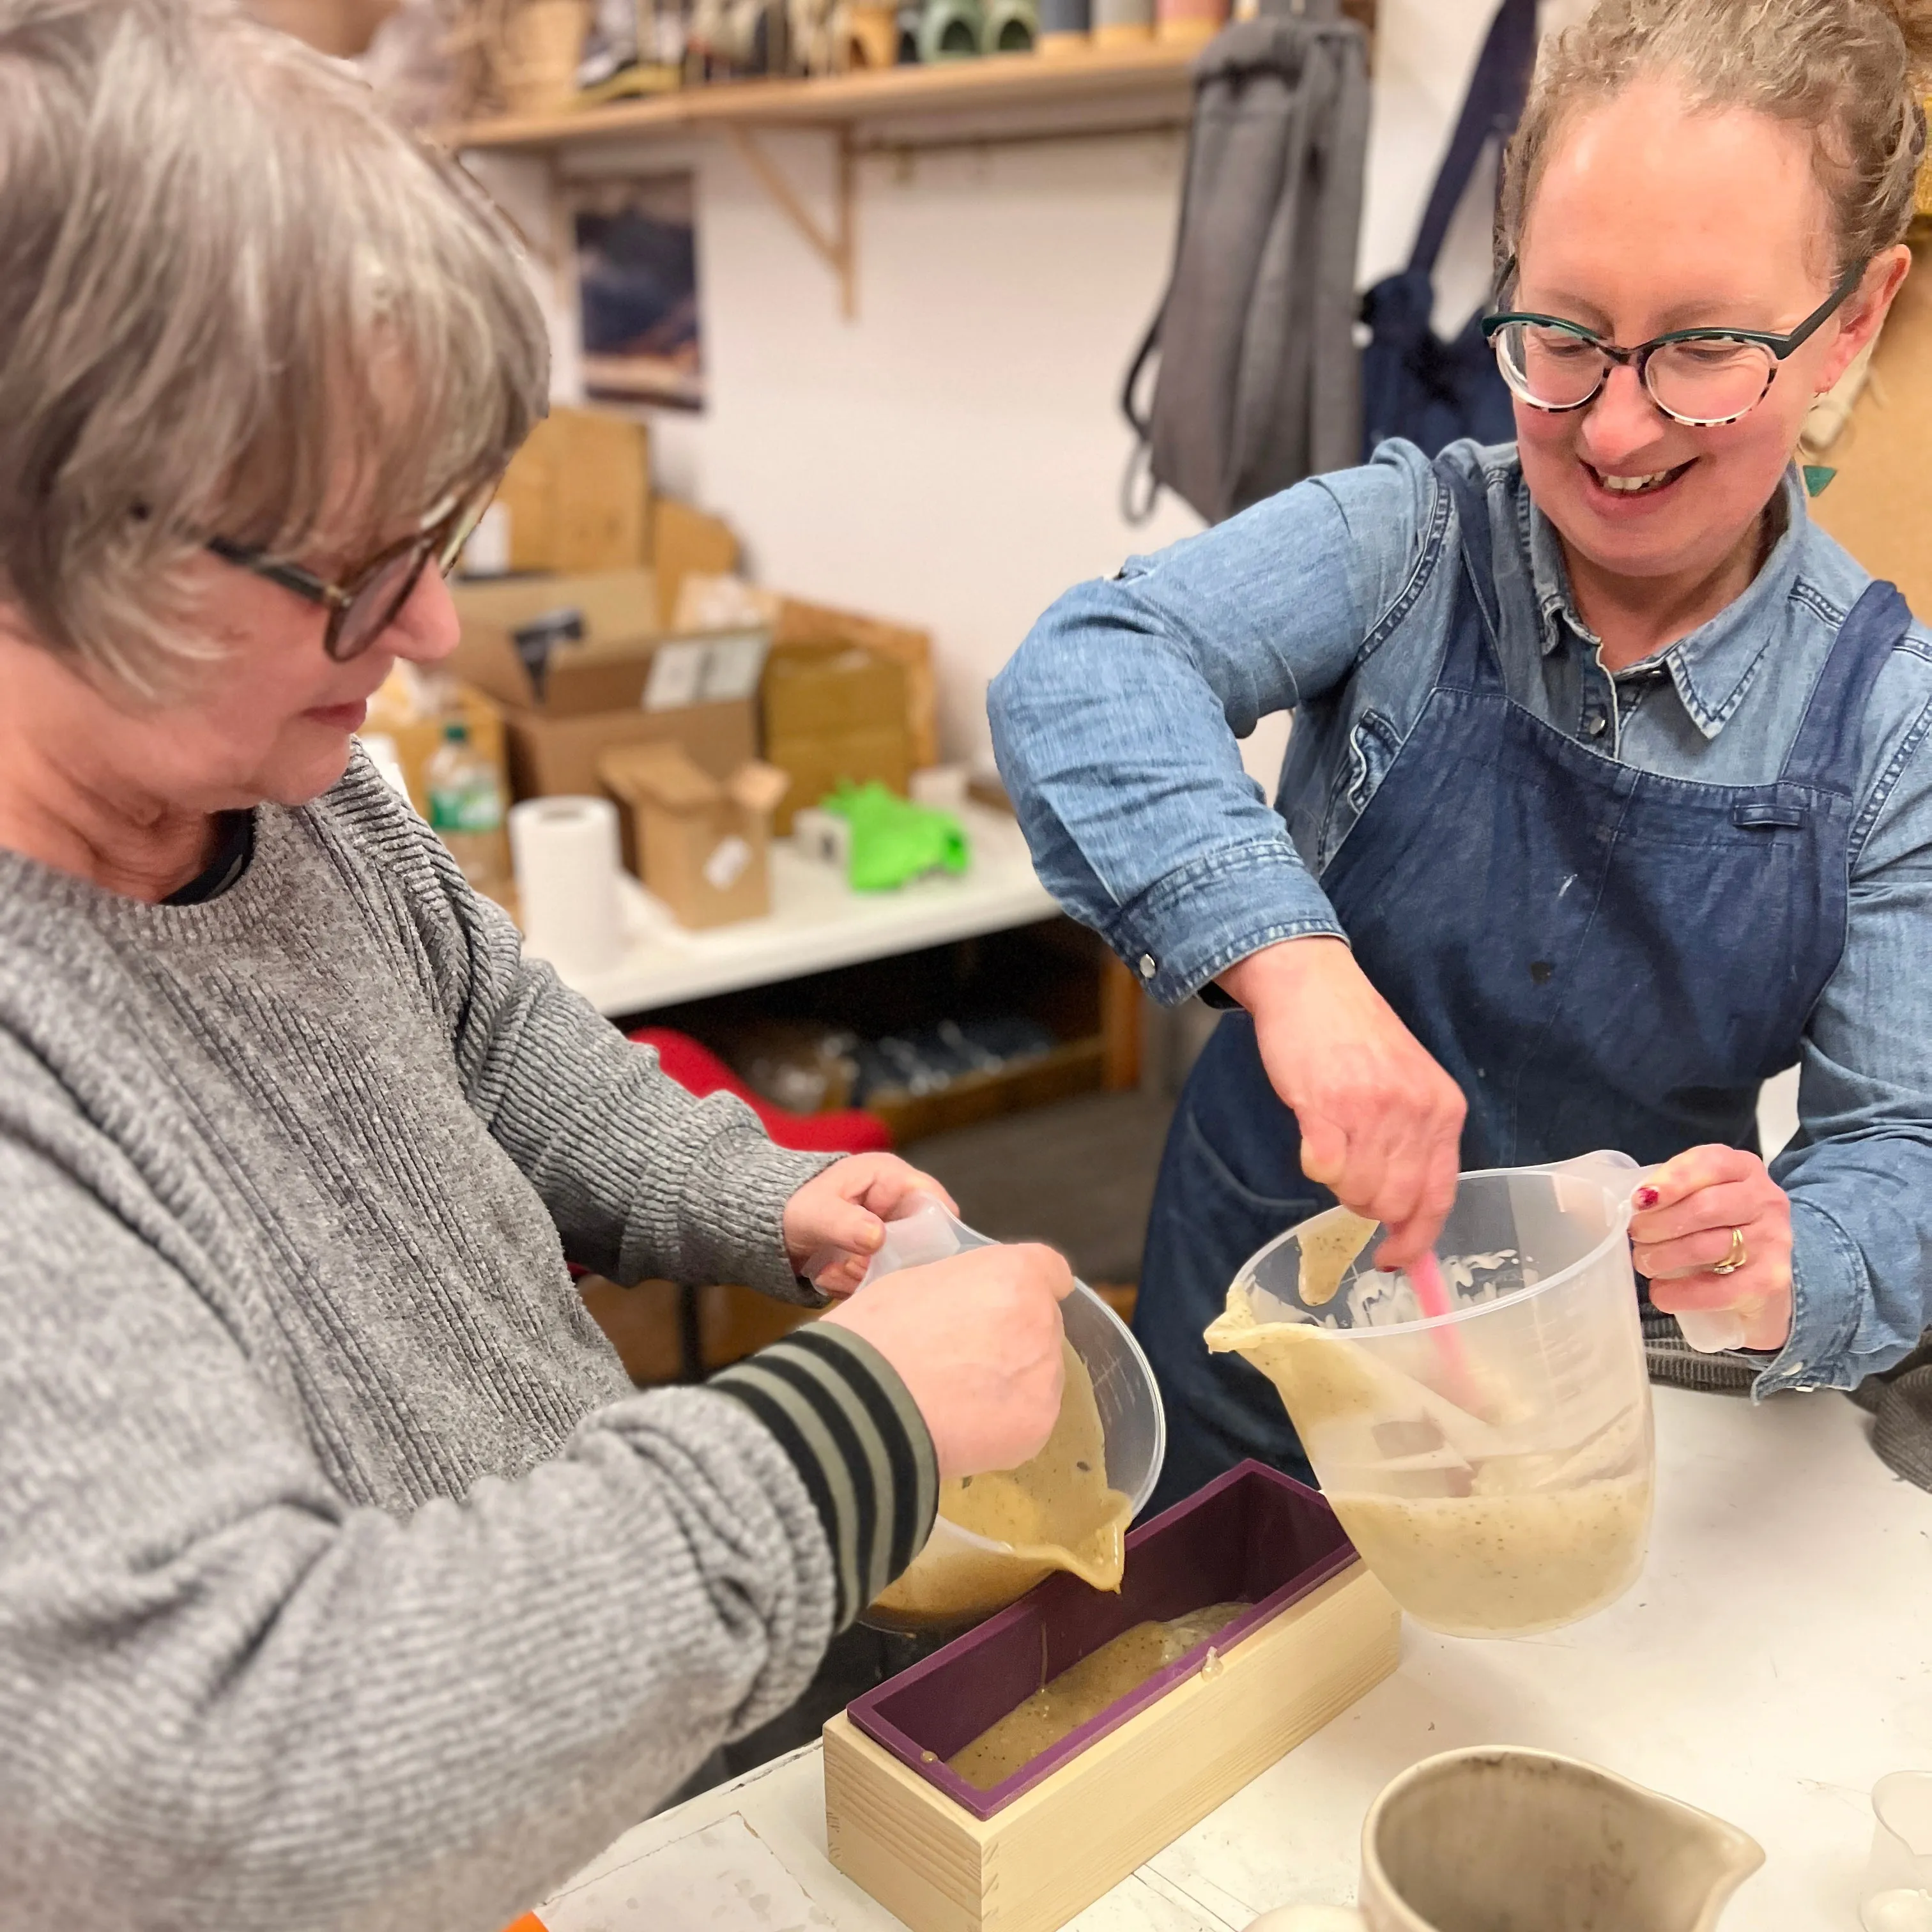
[637,280]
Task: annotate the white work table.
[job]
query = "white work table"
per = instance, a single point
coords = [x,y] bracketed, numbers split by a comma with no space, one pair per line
[818,921]
[1774,1660]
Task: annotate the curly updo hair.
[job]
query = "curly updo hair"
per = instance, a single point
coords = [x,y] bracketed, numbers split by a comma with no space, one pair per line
[1853,73]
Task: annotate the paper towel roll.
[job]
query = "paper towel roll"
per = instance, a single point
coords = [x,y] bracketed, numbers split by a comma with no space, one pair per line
[565,850]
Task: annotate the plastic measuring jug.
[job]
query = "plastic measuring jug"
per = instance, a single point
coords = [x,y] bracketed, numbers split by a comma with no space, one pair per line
[968,1577]
[1494,1464]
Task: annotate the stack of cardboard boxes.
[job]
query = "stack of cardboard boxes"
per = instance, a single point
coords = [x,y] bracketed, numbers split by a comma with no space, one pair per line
[567,700]
[597,692]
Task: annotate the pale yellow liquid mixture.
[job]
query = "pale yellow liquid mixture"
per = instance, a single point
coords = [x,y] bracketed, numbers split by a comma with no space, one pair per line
[1485,1565]
[1054,1513]
[1537,1541]
[1082,1691]
[1326,1252]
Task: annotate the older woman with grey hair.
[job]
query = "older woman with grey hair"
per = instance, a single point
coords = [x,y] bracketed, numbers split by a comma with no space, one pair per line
[344,1580]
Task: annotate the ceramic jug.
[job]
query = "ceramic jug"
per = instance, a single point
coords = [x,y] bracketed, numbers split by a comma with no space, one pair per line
[1502,1840]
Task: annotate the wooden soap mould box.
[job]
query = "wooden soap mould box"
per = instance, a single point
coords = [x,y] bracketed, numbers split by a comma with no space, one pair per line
[1029,1854]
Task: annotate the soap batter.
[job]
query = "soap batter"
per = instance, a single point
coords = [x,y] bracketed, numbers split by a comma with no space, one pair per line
[1503,1565]
[1054,1513]
[1327,1250]
[1083,1691]
[1487,1531]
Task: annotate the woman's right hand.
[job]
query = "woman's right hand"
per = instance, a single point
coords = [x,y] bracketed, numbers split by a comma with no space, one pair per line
[977,1340]
[1380,1122]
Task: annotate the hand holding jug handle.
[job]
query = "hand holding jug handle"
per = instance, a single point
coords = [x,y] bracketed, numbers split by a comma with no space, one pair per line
[921,1231]
[1711,1331]
[1310,1919]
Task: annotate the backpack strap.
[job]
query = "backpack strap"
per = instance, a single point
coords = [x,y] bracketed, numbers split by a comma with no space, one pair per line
[1493,106]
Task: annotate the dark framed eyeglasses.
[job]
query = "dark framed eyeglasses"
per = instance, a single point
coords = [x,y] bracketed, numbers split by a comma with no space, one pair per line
[1700,377]
[370,599]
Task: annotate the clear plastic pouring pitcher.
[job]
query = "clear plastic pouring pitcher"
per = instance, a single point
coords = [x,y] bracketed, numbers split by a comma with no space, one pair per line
[1494,1464]
[960,1576]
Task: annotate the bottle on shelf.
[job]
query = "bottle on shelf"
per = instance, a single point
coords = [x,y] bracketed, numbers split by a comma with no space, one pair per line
[465,805]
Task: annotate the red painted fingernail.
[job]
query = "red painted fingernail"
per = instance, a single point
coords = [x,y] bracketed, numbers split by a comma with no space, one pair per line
[1647,1197]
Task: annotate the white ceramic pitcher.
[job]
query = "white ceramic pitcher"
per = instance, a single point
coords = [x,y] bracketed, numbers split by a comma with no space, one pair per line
[1502,1840]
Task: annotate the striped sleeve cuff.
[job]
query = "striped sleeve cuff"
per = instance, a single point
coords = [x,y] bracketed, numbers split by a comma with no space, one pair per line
[840,1412]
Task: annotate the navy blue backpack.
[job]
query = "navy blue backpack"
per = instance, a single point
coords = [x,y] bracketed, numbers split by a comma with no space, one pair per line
[1415,384]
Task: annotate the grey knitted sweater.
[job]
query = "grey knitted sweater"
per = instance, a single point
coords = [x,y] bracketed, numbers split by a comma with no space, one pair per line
[344,1580]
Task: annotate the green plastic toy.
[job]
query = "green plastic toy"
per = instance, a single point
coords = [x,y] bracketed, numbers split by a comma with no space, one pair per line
[894,840]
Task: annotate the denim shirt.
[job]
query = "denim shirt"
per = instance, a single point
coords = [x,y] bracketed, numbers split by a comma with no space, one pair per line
[1116,723]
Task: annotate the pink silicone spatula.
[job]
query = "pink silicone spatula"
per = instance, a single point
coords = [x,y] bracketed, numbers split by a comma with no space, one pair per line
[1432,1297]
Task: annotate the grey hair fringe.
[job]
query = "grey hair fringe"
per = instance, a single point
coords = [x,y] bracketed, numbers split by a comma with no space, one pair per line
[235,300]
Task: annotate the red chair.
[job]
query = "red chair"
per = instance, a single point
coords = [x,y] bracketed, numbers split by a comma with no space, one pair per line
[699,1071]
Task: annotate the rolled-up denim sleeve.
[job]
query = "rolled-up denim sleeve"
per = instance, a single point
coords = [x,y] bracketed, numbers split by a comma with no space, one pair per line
[1116,722]
[1859,1172]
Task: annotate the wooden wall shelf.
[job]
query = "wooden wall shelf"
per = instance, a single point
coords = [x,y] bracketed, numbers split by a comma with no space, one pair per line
[1004,99]
[1155,75]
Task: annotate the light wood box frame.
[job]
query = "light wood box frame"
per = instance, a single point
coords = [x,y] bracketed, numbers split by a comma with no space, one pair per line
[1055,1849]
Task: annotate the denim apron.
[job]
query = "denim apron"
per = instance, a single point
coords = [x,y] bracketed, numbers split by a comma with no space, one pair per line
[1598,956]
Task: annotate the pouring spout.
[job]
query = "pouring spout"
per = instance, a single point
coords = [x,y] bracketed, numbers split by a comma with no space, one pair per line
[1713,1858]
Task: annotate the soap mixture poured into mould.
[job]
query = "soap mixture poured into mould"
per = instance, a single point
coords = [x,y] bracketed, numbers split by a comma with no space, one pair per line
[1054,1513]
[1501,1522]
[1083,1691]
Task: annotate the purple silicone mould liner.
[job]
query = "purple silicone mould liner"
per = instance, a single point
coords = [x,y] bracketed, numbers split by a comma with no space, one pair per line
[1253,1534]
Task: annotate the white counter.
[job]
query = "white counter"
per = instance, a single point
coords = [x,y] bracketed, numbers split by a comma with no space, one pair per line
[818,921]
[1773,1662]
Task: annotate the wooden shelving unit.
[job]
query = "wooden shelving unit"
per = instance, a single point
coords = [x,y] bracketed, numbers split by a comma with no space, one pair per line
[1000,100]
[1154,76]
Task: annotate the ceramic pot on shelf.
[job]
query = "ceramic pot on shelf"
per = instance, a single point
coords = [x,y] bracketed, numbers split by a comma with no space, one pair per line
[1189,22]
[950,30]
[539,46]
[1119,23]
[1065,25]
[1012,27]
[871,35]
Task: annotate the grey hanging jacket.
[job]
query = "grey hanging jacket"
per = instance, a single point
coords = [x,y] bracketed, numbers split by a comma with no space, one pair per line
[1258,381]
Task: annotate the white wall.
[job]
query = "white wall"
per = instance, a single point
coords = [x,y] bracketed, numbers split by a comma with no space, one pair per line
[954,456]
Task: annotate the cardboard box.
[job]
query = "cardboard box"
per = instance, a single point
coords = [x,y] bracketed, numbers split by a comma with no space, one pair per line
[608,666]
[550,757]
[577,495]
[1878,505]
[834,713]
[622,659]
[616,604]
[685,541]
[817,691]
[815,624]
[816,765]
[699,843]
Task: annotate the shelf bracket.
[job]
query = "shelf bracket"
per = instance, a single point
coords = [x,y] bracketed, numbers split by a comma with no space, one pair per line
[837,249]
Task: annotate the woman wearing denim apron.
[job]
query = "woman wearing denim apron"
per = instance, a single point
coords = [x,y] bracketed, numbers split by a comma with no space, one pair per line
[1607,796]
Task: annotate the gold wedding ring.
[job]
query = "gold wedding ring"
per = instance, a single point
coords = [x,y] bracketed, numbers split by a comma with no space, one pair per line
[1736,1258]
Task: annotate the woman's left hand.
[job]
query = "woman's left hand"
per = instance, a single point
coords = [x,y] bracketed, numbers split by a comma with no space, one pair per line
[847,1207]
[1687,1210]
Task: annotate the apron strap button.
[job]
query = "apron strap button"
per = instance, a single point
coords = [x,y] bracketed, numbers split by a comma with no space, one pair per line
[1148,968]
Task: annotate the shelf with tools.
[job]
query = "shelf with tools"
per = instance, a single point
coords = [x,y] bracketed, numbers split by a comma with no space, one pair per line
[1002,99]
[1150,76]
